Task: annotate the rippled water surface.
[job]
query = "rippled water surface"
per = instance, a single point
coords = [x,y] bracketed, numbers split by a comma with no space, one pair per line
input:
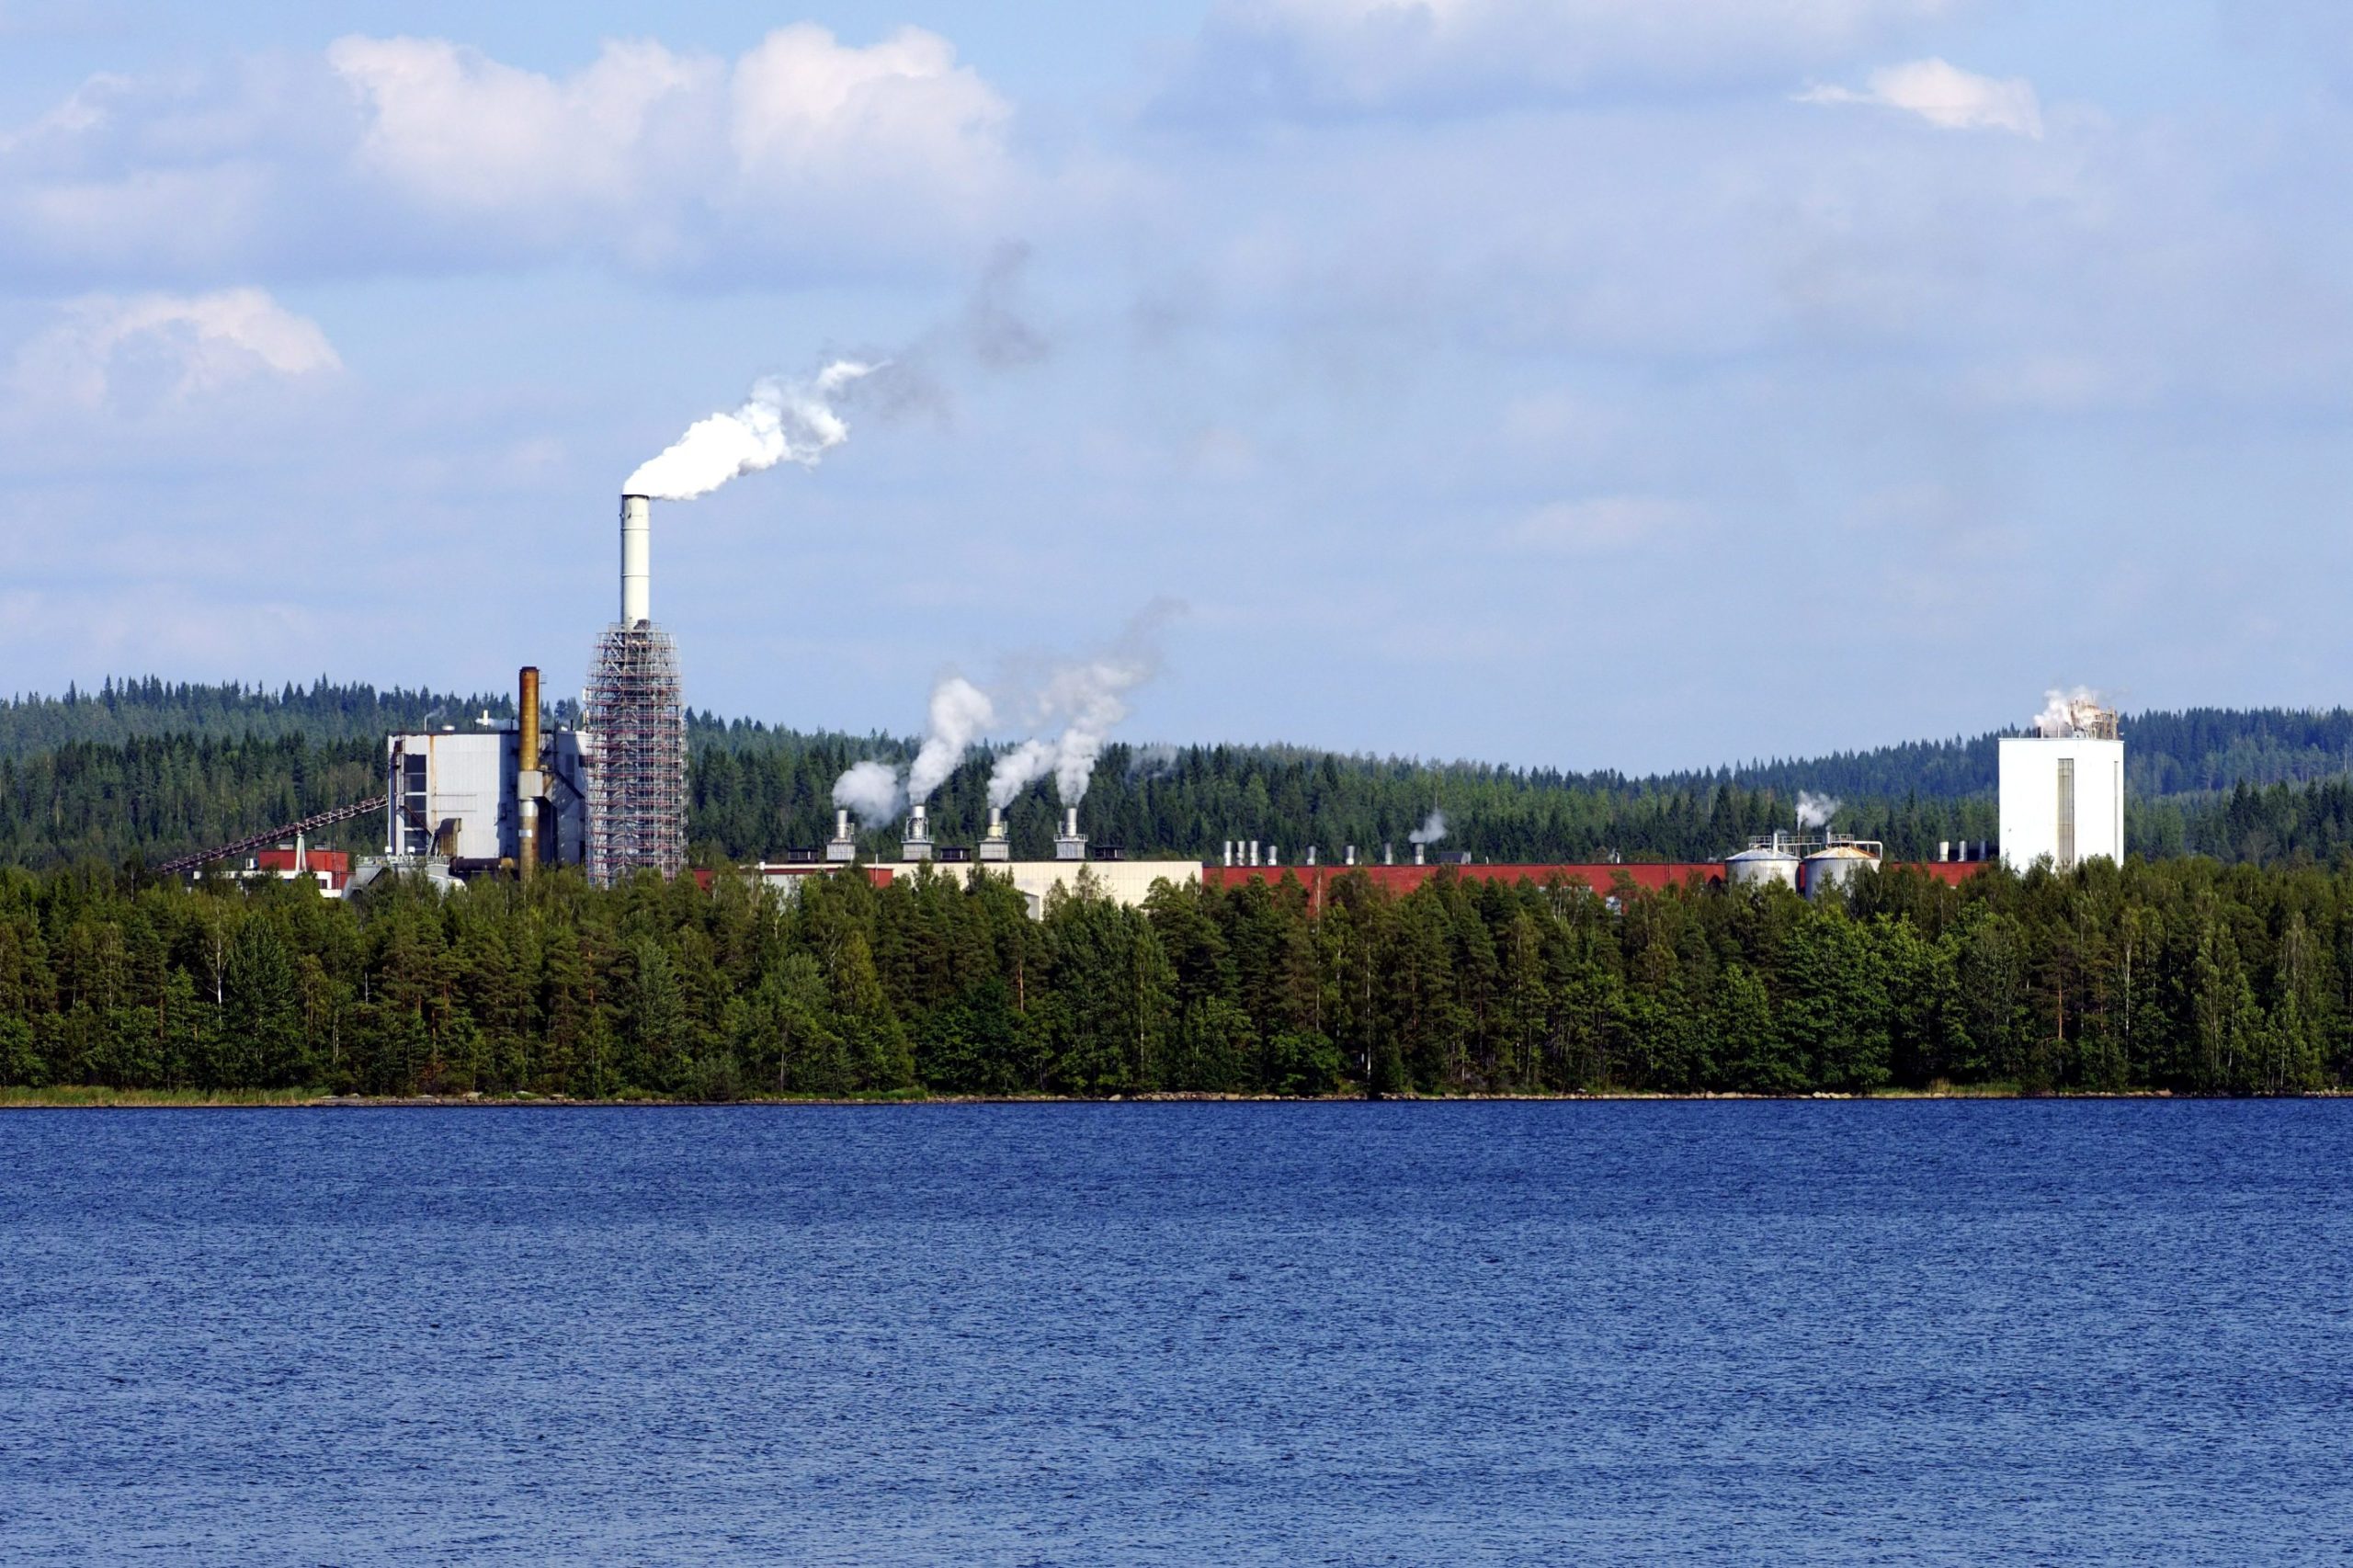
[1896,1332]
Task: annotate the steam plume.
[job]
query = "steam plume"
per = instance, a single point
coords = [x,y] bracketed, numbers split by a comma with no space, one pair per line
[1018,769]
[1433,828]
[1093,696]
[2065,712]
[1157,761]
[1816,810]
[1088,698]
[960,711]
[871,790]
[780,421]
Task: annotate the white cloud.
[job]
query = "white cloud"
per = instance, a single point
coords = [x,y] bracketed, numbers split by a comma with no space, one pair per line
[425,154]
[151,349]
[1945,95]
[461,133]
[641,128]
[1355,56]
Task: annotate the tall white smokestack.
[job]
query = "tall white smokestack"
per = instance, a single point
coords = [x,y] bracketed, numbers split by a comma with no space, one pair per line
[637,560]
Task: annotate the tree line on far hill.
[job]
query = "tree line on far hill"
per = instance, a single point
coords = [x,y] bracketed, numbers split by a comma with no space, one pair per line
[2180,975]
[142,770]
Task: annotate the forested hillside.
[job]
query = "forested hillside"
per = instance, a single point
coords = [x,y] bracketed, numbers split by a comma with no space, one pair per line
[146,769]
[2198,751]
[133,710]
[2179,975]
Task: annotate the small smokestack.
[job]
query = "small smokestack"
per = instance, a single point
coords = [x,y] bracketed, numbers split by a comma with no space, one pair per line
[841,825]
[1388,854]
[529,784]
[1311,853]
[843,846]
[1229,853]
[1070,845]
[1349,858]
[637,560]
[1253,852]
[995,845]
[1274,854]
[1944,850]
[917,844]
[1420,850]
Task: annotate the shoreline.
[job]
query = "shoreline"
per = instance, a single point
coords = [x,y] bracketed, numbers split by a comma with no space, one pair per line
[91,1097]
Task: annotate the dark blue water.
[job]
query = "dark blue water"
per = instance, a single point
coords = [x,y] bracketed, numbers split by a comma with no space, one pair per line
[1742,1331]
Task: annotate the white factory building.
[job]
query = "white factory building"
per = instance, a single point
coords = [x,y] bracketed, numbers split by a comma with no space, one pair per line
[467,797]
[1110,875]
[2063,789]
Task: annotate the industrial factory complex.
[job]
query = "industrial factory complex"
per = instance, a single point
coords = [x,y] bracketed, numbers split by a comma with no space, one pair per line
[609,798]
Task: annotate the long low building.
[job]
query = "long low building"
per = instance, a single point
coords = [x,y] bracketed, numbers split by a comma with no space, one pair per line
[1123,882]
[1605,878]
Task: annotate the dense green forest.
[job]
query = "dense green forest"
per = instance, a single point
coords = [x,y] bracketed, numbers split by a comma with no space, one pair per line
[2180,975]
[142,770]
[149,708]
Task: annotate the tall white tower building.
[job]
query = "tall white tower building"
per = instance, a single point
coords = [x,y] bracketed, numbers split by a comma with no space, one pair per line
[2062,788]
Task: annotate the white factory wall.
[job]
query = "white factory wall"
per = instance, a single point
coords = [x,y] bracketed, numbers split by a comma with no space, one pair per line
[469,777]
[1127,883]
[2028,766]
[1123,882]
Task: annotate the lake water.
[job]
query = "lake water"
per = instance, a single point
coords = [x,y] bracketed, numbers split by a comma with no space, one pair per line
[1183,1334]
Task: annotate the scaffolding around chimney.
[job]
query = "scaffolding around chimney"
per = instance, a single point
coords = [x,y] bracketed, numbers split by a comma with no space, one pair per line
[637,792]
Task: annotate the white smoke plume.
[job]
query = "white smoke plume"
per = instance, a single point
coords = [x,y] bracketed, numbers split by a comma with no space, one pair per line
[1092,698]
[2065,712]
[1156,761]
[1018,769]
[870,790]
[1816,810]
[1087,699]
[960,711]
[779,422]
[1433,828]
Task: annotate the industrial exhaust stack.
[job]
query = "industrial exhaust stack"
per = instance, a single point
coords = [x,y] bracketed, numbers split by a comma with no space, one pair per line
[530,782]
[1070,844]
[636,709]
[842,847]
[637,560]
[998,844]
[916,845]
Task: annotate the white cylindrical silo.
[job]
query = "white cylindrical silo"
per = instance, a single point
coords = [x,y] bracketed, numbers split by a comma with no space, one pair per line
[637,560]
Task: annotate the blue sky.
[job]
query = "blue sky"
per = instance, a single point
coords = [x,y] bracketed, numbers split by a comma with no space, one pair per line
[1597,383]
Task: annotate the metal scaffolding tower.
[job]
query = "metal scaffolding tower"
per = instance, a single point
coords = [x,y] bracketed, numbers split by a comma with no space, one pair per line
[637,790]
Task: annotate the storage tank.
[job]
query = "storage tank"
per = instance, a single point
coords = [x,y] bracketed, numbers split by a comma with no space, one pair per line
[1764,860]
[1834,864]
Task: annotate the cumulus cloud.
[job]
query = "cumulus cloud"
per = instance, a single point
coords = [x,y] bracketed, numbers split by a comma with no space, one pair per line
[146,348]
[1357,56]
[425,151]
[1945,95]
